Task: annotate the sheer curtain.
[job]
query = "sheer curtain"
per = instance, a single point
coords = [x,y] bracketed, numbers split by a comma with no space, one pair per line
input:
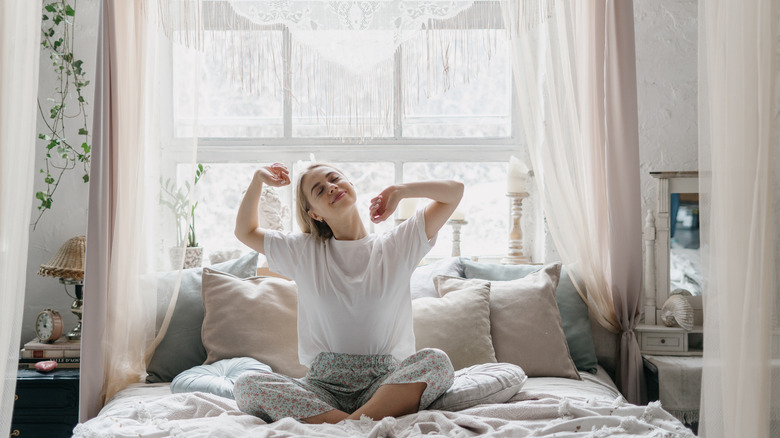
[128,236]
[739,160]
[576,78]
[20,34]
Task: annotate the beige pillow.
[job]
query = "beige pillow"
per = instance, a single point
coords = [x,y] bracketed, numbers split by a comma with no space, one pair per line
[525,322]
[254,317]
[458,324]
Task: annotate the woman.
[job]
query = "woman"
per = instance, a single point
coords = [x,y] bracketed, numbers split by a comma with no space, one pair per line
[355,330]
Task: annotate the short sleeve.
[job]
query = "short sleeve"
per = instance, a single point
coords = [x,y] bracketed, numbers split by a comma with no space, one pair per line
[410,241]
[283,251]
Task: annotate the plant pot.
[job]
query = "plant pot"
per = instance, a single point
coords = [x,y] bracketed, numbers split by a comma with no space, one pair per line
[193,257]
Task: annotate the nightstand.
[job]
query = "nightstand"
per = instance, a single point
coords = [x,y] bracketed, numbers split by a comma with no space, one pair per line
[46,404]
[676,382]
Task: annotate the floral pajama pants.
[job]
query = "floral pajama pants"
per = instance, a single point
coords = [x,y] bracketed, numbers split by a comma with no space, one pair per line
[340,381]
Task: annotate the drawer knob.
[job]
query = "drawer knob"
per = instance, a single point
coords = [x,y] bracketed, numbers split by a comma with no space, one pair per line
[663,341]
[16,397]
[16,432]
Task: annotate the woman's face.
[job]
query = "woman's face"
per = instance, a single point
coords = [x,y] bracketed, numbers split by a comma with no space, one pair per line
[328,192]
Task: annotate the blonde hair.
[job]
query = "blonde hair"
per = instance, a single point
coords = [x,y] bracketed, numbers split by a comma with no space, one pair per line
[318,229]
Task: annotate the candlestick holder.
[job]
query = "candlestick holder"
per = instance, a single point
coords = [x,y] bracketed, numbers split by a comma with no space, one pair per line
[515,254]
[456,224]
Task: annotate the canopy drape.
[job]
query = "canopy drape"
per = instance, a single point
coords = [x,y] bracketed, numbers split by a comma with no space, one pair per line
[739,184]
[20,38]
[576,80]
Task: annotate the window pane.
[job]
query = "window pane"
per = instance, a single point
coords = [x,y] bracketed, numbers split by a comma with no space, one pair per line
[369,180]
[219,194]
[479,108]
[484,204]
[225,107]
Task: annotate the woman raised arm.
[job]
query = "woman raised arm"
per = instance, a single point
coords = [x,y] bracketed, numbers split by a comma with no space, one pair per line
[446,196]
[248,228]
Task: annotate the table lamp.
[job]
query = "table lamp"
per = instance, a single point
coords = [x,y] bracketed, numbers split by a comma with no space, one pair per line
[68,266]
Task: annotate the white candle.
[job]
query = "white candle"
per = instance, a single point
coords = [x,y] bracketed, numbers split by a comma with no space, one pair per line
[458,215]
[517,176]
[406,208]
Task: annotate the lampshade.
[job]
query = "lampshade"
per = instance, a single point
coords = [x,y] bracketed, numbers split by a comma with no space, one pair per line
[68,262]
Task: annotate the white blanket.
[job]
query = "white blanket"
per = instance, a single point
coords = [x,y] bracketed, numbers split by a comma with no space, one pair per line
[537,411]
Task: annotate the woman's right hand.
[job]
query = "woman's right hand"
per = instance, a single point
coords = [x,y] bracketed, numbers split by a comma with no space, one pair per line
[275,175]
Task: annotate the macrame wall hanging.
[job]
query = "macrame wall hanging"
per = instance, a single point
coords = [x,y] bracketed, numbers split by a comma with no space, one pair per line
[342,54]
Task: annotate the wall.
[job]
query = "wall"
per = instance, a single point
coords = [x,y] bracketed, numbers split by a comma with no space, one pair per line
[68,216]
[666,66]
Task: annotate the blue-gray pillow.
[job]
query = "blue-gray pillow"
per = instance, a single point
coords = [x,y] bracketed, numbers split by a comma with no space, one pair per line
[216,378]
[181,348]
[574,311]
[422,278]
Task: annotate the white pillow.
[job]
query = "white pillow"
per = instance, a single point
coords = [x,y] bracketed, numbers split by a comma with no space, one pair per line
[481,384]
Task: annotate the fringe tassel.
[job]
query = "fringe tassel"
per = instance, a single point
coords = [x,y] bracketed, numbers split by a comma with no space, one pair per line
[352,104]
[687,417]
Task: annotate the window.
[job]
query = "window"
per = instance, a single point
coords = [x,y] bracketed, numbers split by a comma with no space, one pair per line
[467,133]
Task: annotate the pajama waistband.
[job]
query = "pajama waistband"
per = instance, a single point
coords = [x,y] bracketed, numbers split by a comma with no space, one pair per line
[344,360]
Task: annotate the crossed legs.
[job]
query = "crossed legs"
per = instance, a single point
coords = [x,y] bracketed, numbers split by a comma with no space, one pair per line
[391,400]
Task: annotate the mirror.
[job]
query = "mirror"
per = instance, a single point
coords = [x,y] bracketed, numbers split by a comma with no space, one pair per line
[671,235]
[684,254]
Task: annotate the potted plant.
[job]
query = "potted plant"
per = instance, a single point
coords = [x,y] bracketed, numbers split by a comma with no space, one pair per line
[177,198]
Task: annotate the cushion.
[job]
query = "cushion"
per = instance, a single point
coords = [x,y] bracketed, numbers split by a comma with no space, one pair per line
[252,317]
[217,378]
[181,347]
[481,384]
[525,322]
[574,311]
[422,278]
[458,324]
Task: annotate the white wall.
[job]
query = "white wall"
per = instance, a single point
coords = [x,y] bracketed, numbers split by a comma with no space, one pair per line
[68,216]
[666,66]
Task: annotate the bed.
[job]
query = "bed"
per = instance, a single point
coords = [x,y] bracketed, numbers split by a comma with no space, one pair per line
[529,361]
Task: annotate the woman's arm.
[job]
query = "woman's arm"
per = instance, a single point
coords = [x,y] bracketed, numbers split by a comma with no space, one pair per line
[446,196]
[248,228]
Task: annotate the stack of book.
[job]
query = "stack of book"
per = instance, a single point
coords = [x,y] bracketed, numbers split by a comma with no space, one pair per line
[66,353]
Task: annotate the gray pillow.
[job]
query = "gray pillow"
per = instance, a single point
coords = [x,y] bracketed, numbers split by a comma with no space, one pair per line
[422,277]
[480,384]
[216,378]
[182,348]
[574,312]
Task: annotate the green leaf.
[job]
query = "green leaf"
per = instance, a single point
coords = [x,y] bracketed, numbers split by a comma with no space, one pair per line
[86,147]
[86,178]
[49,180]
[50,8]
[83,131]
[69,11]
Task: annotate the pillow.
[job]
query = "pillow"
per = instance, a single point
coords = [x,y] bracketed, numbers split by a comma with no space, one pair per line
[458,324]
[422,277]
[217,378]
[181,347]
[481,384]
[574,311]
[254,317]
[525,324]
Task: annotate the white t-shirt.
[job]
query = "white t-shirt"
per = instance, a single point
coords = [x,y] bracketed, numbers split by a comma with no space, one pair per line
[353,295]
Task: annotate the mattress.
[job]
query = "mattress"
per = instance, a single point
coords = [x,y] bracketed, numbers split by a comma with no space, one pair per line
[545,407]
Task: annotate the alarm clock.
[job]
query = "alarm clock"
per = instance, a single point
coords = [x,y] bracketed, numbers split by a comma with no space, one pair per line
[48,325]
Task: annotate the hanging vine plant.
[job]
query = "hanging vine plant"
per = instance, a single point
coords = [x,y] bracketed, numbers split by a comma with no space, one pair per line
[62,154]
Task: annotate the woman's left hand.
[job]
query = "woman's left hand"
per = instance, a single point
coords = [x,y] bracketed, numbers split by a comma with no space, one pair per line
[384,204]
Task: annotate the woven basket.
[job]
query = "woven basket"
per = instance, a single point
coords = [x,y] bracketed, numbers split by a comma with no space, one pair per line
[68,262]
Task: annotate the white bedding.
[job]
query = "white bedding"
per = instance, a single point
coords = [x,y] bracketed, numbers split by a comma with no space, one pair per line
[545,407]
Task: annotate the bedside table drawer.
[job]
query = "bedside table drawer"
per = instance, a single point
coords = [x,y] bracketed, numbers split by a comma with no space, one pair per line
[46,395]
[663,341]
[49,430]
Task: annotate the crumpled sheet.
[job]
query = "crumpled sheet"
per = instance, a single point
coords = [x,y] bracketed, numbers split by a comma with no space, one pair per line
[207,415]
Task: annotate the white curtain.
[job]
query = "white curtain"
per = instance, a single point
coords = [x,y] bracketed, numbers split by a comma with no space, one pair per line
[576,79]
[20,34]
[129,230]
[739,161]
